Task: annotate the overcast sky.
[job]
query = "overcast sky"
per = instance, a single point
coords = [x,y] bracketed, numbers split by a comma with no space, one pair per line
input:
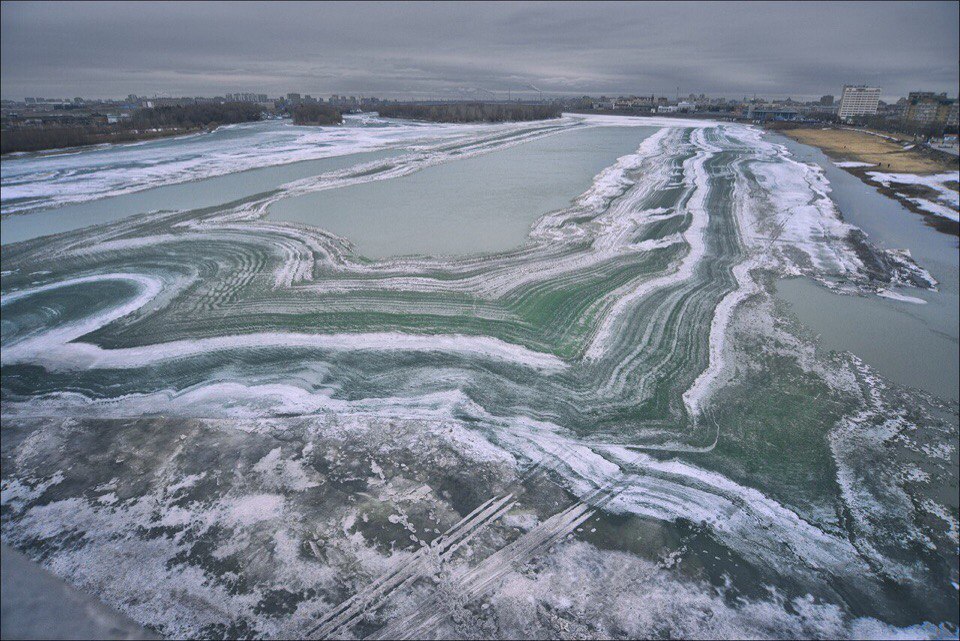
[435,49]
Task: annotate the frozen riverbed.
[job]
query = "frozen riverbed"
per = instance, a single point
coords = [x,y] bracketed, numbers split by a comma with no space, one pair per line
[225,424]
[485,203]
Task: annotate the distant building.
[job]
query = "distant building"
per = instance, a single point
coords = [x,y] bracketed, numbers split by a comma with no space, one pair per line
[634,104]
[928,108]
[826,101]
[818,111]
[246,97]
[293,98]
[922,107]
[859,100]
[763,113]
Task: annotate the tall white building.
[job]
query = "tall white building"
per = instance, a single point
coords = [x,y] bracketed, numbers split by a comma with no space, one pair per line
[859,100]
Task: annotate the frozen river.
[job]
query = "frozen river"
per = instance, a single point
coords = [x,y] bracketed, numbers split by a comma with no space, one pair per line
[914,342]
[486,203]
[599,376]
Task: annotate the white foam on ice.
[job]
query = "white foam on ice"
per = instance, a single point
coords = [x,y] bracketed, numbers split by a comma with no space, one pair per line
[936,182]
[886,293]
[45,181]
[693,236]
[854,163]
[578,577]
[51,352]
[934,208]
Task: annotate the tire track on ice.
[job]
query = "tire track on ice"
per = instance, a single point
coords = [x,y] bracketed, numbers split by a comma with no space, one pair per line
[470,583]
[425,560]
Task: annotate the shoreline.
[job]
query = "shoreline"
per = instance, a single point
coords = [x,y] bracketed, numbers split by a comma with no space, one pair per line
[137,137]
[860,152]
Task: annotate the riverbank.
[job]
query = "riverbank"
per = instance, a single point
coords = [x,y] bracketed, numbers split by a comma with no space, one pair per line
[908,342]
[881,151]
[92,139]
[317,115]
[922,180]
[143,124]
[461,112]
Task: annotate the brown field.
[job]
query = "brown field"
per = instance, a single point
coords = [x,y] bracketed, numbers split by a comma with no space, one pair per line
[844,144]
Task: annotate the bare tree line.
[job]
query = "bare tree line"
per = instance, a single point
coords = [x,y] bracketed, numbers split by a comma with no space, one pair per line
[471,112]
[144,124]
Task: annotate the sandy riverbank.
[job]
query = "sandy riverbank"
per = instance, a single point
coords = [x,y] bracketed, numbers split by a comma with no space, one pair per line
[920,181]
[882,151]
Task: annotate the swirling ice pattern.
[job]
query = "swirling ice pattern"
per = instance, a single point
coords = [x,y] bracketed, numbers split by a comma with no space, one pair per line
[603,336]
[604,316]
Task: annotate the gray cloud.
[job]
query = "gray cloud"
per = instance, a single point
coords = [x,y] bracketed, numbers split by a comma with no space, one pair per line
[799,49]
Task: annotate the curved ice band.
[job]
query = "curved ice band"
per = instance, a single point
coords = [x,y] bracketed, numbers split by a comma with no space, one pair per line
[55,350]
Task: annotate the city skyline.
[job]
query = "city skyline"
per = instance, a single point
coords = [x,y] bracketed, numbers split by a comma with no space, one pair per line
[509,49]
[254,96]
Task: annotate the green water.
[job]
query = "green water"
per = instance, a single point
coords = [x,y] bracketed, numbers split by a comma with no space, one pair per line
[263,429]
